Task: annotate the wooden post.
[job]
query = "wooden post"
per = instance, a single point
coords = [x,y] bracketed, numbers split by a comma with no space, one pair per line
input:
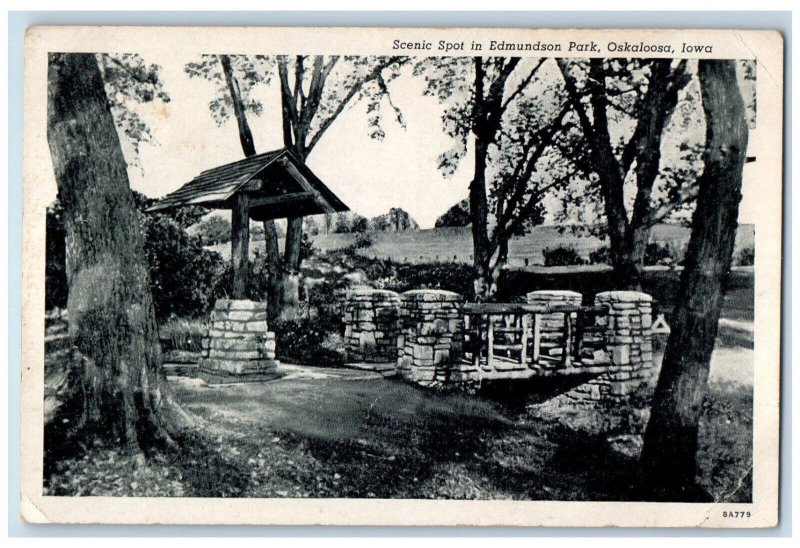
[523,356]
[537,338]
[240,244]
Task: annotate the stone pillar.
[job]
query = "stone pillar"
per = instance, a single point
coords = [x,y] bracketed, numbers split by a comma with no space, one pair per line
[552,326]
[371,325]
[238,347]
[430,345]
[629,343]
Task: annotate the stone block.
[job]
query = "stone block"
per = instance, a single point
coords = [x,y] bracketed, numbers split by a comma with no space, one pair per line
[243,304]
[441,357]
[424,352]
[235,344]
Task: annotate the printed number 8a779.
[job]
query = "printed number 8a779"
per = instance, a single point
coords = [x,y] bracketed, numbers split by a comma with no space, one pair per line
[736,514]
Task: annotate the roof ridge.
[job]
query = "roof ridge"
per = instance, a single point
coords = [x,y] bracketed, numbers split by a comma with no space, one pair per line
[247,160]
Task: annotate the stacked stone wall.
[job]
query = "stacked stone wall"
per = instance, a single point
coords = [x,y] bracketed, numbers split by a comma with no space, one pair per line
[430,345]
[629,345]
[237,345]
[371,325]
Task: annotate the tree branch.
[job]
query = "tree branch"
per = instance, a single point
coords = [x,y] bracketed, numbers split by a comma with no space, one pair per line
[352,92]
[523,84]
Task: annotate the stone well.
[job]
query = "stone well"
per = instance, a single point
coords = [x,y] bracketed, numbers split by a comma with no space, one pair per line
[237,346]
[429,348]
[371,325]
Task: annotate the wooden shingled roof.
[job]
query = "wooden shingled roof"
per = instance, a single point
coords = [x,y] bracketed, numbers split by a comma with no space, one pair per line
[278,185]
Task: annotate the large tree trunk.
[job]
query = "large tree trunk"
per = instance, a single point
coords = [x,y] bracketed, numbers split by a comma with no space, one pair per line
[291,265]
[668,456]
[123,391]
[273,258]
[483,285]
[479,217]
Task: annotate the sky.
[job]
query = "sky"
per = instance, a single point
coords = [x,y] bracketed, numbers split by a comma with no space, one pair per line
[370,176]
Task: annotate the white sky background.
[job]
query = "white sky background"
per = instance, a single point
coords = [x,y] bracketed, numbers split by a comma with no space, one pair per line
[370,176]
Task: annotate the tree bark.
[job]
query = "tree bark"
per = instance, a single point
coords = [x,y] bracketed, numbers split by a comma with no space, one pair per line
[273,258]
[245,134]
[628,237]
[669,453]
[478,202]
[123,392]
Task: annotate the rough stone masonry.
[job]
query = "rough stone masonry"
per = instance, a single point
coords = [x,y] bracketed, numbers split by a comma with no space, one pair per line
[237,346]
[371,325]
[429,348]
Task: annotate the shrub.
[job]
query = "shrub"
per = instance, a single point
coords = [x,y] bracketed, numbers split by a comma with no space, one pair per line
[562,256]
[363,240]
[214,230]
[185,278]
[308,340]
[307,248]
[601,255]
[746,257]
[657,253]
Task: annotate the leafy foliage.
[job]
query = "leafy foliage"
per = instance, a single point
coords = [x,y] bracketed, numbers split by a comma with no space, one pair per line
[746,257]
[214,230]
[130,81]
[185,278]
[363,241]
[251,72]
[458,215]
[396,220]
[562,256]
[307,340]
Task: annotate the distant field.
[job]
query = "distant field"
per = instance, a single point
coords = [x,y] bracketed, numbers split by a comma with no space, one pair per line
[455,244]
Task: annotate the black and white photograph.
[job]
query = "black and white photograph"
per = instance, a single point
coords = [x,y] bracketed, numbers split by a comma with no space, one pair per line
[311,266]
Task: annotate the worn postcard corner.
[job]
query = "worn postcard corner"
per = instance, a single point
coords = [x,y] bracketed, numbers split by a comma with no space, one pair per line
[402,276]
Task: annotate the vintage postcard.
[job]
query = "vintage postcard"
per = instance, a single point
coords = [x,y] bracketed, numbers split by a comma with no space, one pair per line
[402,276]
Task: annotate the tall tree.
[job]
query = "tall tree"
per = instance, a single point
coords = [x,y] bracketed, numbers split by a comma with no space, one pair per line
[513,118]
[315,91]
[670,446]
[639,97]
[122,391]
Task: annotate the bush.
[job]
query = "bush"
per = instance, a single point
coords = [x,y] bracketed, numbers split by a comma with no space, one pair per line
[307,248]
[746,257]
[185,278]
[658,253]
[601,255]
[308,340]
[400,277]
[562,256]
[363,240]
[214,230]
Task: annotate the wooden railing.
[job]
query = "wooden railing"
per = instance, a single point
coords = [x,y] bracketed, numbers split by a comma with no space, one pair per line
[509,339]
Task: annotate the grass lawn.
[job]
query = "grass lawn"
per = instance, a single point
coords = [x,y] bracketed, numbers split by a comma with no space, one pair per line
[335,433]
